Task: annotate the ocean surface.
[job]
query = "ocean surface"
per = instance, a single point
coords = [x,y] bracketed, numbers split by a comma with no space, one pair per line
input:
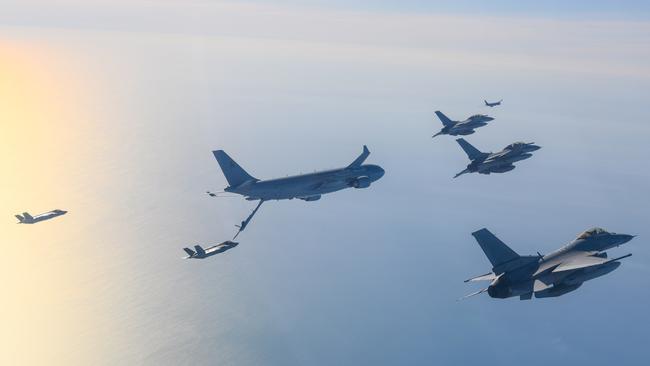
[117,127]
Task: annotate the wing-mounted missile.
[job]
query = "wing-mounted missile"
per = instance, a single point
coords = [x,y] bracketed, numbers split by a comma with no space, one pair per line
[485,277]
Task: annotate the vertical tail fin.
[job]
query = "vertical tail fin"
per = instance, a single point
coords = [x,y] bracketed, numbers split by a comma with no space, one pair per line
[20,218]
[189,252]
[27,216]
[496,250]
[471,151]
[235,174]
[486,103]
[444,119]
[199,250]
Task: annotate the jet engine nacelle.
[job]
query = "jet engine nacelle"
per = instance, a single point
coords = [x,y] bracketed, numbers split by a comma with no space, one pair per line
[557,290]
[590,273]
[361,182]
[502,169]
[502,289]
[311,198]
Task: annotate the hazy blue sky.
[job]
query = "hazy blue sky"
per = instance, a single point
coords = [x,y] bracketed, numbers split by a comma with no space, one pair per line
[120,103]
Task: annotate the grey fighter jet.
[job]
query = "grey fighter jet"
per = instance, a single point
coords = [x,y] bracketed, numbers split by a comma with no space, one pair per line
[200,253]
[499,162]
[494,104]
[26,218]
[551,275]
[466,127]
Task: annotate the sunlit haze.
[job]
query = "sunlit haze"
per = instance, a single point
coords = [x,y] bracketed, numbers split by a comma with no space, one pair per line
[110,110]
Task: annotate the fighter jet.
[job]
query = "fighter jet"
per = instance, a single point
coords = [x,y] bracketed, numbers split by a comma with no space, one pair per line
[26,218]
[499,162]
[493,104]
[551,275]
[466,127]
[307,187]
[200,253]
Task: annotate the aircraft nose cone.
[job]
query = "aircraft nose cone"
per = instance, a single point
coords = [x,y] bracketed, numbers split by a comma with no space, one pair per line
[489,118]
[533,147]
[380,172]
[625,238]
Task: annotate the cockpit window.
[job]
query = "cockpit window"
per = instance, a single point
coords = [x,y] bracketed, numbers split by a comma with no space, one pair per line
[592,232]
[514,145]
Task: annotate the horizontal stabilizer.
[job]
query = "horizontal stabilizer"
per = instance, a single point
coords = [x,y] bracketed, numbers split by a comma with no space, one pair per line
[461,173]
[486,277]
[473,294]
[199,250]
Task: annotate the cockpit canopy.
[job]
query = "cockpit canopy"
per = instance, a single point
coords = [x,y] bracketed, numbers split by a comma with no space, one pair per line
[515,145]
[592,232]
[478,116]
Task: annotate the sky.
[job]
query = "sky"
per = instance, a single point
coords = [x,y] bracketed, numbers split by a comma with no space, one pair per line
[110,110]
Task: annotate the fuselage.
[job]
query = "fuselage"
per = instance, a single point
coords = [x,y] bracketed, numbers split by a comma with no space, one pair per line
[502,161]
[309,185]
[465,127]
[217,249]
[520,281]
[28,219]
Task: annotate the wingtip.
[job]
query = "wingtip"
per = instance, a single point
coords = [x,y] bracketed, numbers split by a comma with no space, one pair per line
[479,231]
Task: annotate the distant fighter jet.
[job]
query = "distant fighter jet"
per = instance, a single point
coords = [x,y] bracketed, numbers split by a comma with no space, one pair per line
[466,127]
[200,253]
[499,162]
[493,104]
[26,218]
[551,275]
